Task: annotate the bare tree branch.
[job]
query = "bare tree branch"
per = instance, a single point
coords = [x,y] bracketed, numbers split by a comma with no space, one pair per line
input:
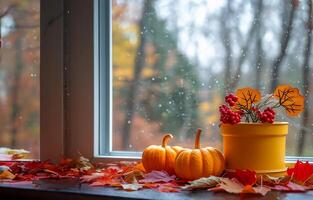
[226,40]
[7,10]
[139,65]
[259,49]
[285,37]
[306,79]
[245,47]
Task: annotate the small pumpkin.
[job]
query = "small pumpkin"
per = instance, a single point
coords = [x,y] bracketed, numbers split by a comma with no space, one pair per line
[191,164]
[156,157]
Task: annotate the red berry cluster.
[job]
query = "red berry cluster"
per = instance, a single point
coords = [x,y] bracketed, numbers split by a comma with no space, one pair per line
[231,99]
[228,116]
[267,116]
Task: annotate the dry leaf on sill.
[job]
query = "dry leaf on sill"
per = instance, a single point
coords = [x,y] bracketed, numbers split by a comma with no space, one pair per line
[84,163]
[158,176]
[234,186]
[290,187]
[272,181]
[91,177]
[7,175]
[202,183]
[131,187]
[133,176]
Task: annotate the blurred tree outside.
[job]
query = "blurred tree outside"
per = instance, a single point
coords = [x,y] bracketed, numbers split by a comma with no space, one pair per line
[19,74]
[174,60]
[161,86]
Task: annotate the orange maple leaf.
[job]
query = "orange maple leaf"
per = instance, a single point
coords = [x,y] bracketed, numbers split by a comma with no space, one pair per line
[105,180]
[248,96]
[290,98]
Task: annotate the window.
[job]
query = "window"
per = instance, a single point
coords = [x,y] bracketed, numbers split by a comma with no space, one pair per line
[164,67]
[19,75]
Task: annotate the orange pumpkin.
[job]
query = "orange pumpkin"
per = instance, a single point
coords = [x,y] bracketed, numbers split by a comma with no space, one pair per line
[156,157]
[191,164]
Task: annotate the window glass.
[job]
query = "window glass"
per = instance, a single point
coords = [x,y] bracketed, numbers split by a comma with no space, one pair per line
[19,75]
[174,60]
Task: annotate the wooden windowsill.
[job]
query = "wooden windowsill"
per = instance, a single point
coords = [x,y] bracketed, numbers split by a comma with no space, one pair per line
[51,189]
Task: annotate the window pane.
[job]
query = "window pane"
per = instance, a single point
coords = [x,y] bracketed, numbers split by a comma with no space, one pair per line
[173,61]
[19,75]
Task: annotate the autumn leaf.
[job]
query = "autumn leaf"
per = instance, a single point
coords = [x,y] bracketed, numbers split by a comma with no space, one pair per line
[7,175]
[172,186]
[133,176]
[91,177]
[15,153]
[83,163]
[4,168]
[105,180]
[151,185]
[234,186]
[202,183]
[272,181]
[289,98]
[167,188]
[309,182]
[140,167]
[51,172]
[231,185]
[246,177]
[157,176]
[33,167]
[131,187]
[301,172]
[289,187]
[112,170]
[258,190]
[247,97]
[19,156]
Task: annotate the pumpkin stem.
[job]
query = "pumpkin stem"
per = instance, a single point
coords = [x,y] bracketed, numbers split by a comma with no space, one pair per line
[166,138]
[197,141]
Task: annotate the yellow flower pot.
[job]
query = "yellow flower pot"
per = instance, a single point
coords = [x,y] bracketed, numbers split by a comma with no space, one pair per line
[255,146]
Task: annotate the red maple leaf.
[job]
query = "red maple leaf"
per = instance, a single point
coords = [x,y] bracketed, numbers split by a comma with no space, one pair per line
[103,181]
[35,166]
[301,172]
[246,177]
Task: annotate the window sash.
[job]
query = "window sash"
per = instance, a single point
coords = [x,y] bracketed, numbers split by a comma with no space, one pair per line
[66,123]
[51,80]
[103,84]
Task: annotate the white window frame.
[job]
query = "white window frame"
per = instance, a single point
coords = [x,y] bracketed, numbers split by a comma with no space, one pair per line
[51,80]
[103,84]
[72,62]
[66,78]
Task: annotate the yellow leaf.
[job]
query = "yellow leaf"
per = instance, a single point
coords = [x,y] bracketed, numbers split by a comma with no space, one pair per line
[248,96]
[7,175]
[133,176]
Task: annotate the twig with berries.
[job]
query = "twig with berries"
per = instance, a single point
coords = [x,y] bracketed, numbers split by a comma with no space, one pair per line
[247,105]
